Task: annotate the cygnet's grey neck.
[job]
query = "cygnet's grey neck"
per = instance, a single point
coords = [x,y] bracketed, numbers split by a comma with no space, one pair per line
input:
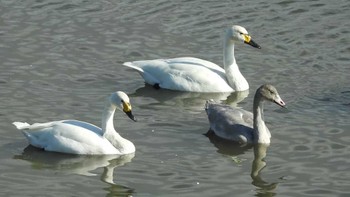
[261,132]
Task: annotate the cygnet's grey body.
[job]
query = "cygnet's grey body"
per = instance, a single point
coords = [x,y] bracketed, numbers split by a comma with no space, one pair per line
[242,126]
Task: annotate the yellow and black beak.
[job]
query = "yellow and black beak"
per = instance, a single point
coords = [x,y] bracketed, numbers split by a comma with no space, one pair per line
[249,40]
[127,110]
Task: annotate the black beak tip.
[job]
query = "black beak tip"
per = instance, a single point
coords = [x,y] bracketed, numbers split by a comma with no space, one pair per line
[253,44]
[256,45]
[131,116]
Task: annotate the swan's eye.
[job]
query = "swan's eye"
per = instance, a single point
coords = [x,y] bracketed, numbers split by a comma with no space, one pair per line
[241,33]
[122,101]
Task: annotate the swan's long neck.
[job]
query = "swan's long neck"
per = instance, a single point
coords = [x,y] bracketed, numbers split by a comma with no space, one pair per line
[233,75]
[107,120]
[261,132]
[120,143]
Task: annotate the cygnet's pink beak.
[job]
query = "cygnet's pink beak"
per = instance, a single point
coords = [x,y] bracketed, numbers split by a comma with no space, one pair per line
[279,101]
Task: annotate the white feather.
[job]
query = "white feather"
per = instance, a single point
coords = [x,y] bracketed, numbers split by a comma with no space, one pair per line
[197,75]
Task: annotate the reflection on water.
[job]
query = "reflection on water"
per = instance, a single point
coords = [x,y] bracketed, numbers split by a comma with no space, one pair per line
[189,100]
[80,164]
[119,191]
[232,149]
[60,58]
[227,147]
[264,188]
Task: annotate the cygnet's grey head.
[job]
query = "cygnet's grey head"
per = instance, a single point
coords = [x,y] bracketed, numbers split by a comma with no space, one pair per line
[269,92]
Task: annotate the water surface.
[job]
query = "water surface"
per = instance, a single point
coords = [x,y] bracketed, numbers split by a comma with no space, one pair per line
[60,60]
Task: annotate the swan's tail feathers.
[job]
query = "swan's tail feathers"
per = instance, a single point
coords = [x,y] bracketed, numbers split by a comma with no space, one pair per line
[148,77]
[131,65]
[21,125]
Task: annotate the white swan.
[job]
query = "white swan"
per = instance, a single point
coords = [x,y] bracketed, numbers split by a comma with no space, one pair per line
[197,75]
[77,137]
[239,125]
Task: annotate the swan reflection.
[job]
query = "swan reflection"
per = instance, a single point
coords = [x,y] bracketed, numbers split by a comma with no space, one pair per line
[79,164]
[232,149]
[189,100]
[258,165]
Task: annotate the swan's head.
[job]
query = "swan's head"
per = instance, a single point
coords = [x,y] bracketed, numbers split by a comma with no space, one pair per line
[269,92]
[121,101]
[239,33]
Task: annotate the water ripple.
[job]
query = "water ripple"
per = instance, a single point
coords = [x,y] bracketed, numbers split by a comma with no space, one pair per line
[60,60]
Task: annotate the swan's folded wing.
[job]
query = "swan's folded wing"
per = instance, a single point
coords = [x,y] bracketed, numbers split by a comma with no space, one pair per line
[196,61]
[144,69]
[69,136]
[247,117]
[229,115]
[85,125]
[78,139]
[183,74]
[229,122]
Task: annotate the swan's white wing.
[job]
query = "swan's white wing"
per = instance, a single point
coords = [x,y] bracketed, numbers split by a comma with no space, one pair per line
[230,123]
[85,125]
[183,74]
[68,136]
[197,61]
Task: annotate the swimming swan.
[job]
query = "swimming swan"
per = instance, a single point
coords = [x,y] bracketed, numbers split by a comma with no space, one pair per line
[197,75]
[239,125]
[77,137]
